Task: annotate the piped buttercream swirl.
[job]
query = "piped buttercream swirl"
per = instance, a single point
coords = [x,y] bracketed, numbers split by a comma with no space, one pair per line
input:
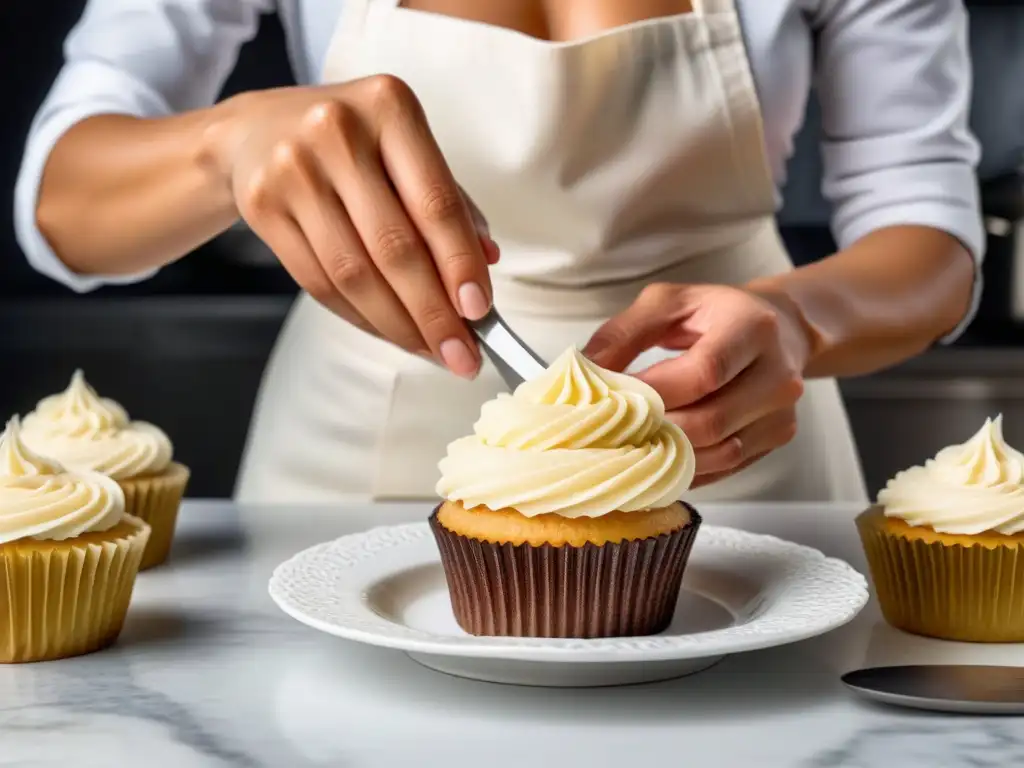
[88,432]
[39,499]
[971,488]
[578,441]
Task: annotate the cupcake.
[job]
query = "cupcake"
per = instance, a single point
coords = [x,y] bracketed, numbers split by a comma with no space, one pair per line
[562,514]
[86,432]
[945,543]
[68,556]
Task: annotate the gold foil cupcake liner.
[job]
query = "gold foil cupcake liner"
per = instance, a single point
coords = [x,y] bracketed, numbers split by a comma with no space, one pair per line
[945,586]
[67,598]
[157,499]
[614,590]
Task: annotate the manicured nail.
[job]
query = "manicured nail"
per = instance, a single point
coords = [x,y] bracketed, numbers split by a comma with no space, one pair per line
[473,301]
[458,358]
[491,250]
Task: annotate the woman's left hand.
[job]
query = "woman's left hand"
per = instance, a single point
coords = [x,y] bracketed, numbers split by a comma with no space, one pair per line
[734,391]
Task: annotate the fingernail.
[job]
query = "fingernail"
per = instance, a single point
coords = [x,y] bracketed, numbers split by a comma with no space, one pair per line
[473,301]
[593,348]
[491,250]
[458,358]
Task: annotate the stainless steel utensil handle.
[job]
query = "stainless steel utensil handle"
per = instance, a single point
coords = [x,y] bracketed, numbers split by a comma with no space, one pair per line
[515,361]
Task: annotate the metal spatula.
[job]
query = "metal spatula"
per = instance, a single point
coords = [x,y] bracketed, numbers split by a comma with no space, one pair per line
[944,688]
[515,361]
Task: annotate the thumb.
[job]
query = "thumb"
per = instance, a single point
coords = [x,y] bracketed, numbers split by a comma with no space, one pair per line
[626,336]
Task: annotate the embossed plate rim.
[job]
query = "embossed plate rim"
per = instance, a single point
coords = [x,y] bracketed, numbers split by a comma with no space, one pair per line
[325,587]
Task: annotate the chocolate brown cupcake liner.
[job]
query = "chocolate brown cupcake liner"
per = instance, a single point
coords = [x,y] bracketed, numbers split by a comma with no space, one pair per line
[944,586]
[157,499]
[629,588]
[66,598]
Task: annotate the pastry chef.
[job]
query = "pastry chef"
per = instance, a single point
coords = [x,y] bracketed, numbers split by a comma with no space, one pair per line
[605,173]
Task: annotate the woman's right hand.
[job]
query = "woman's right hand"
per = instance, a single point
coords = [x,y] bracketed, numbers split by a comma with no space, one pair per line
[346,184]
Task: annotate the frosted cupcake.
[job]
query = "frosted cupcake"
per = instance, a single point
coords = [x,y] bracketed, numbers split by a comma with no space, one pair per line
[945,544]
[68,556]
[86,432]
[562,515]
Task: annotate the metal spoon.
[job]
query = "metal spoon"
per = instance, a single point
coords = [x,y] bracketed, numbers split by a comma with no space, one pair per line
[515,361]
[943,688]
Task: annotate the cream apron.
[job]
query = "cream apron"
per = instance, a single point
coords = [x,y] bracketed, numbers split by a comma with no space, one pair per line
[603,165]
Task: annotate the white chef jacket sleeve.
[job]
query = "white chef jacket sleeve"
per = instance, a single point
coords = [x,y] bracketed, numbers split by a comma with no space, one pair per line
[147,58]
[894,81]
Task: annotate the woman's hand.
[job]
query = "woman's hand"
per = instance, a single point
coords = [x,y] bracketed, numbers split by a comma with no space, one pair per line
[347,186]
[735,389]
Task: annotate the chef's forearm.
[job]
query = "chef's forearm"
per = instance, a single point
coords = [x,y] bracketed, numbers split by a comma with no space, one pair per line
[884,299]
[123,195]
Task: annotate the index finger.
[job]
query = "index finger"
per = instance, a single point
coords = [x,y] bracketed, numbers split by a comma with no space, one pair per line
[715,359]
[435,205]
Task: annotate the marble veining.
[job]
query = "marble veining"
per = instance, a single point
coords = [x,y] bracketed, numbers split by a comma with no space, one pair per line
[209,673]
[937,744]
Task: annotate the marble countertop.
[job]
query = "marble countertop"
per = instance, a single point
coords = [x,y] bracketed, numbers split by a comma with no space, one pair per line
[209,673]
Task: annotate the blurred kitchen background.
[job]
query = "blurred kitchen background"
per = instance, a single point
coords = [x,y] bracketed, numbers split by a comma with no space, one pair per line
[186,350]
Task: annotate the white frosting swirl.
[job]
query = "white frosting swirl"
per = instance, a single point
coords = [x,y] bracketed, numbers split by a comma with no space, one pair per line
[578,441]
[88,432]
[966,489]
[39,499]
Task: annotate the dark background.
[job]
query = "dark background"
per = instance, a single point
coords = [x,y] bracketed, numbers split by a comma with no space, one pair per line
[186,349]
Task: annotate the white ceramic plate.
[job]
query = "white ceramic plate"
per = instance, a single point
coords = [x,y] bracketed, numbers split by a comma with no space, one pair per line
[741,592]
